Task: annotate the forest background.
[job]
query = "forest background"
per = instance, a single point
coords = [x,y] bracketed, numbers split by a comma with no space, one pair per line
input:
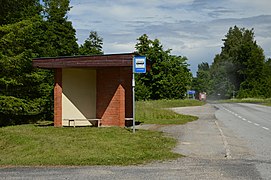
[32,28]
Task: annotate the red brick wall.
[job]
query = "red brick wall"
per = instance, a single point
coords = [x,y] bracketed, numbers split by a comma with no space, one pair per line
[126,74]
[58,98]
[114,95]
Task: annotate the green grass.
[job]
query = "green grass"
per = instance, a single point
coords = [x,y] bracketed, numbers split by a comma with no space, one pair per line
[29,145]
[266,102]
[155,112]
[32,145]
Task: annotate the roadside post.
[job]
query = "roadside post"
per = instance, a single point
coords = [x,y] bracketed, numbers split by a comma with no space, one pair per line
[191,92]
[139,66]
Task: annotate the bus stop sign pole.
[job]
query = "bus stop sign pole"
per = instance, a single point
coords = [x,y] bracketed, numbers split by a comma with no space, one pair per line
[139,66]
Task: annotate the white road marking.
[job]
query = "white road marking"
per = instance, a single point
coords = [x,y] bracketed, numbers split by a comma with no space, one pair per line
[256,124]
[225,142]
[266,128]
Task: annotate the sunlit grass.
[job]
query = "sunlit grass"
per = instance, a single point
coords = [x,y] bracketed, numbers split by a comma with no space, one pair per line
[32,145]
[266,102]
[155,112]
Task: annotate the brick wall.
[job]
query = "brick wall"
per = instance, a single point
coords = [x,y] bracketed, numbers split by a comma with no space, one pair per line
[58,98]
[126,74]
[114,95]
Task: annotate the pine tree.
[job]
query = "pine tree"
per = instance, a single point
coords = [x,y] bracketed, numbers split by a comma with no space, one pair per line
[59,31]
[93,45]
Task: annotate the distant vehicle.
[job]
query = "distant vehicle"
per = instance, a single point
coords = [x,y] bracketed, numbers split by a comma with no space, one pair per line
[202,96]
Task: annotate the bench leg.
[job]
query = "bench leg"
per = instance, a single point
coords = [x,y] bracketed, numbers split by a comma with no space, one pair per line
[71,121]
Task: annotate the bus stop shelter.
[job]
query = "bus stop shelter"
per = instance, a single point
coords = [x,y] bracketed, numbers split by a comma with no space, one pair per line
[91,90]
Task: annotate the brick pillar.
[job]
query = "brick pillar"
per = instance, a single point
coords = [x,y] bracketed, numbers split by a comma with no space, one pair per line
[121,105]
[126,74]
[110,97]
[58,98]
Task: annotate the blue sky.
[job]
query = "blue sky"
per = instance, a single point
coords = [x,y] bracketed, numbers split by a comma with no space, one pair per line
[191,28]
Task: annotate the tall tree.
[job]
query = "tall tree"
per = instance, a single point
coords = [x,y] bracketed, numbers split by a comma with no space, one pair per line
[241,49]
[169,76]
[222,87]
[56,10]
[93,45]
[24,91]
[267,78]
[203,82]
[240,65]
[60,32]
[12,11]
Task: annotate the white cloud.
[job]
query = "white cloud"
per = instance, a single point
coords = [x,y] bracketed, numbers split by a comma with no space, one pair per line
[190,28]
[116,47]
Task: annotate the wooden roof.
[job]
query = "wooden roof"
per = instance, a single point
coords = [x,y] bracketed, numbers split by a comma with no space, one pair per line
[107,60]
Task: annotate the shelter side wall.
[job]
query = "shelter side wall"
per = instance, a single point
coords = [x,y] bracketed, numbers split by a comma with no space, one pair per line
[112,92]
[79,95]
[126,83]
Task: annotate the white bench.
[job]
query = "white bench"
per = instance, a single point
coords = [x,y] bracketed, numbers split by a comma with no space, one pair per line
[94,122]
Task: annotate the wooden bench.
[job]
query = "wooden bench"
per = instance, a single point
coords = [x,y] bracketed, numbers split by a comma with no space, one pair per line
[94,122]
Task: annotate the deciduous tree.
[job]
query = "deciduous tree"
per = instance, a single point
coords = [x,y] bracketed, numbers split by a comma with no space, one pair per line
[240,67]
[12,11]
[169,76]
[25,92]
[202,82]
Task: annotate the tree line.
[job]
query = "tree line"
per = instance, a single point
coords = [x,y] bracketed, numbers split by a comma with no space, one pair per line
[241,70]
[33,28]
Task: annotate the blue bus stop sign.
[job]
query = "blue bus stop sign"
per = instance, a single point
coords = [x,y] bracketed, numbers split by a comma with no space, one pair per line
[191,92]
[139,64]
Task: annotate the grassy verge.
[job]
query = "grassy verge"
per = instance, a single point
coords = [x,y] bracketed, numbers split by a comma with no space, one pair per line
[155,112]
[266,102]
[33,145]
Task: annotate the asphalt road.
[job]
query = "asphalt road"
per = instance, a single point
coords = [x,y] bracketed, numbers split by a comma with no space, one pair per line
[229,141]
[252,124]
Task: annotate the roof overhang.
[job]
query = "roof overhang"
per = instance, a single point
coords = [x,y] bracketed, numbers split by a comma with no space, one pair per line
[94,61]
